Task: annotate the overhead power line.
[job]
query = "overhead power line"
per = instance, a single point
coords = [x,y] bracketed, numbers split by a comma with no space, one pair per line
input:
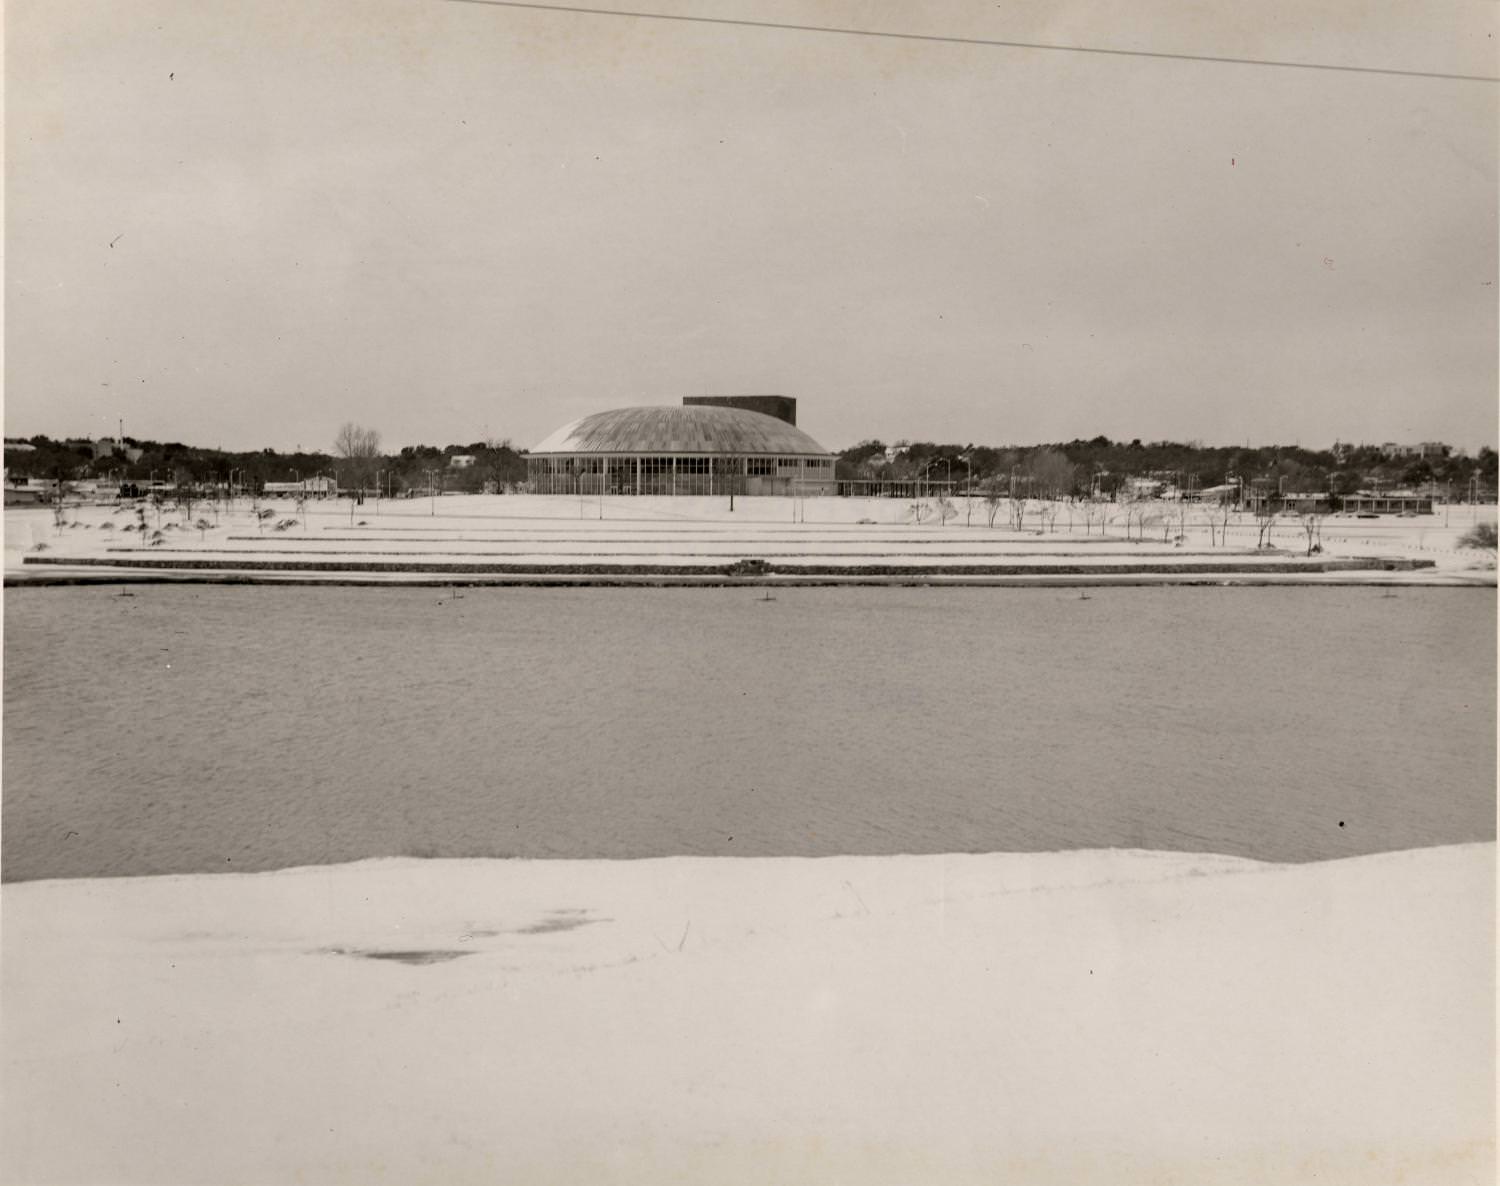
[985,41]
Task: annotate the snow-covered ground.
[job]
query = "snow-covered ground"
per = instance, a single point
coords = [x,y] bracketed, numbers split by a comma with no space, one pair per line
[554,530]
[1115,1016]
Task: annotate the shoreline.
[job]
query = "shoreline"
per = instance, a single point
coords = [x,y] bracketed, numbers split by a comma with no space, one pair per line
[1380,574]
[1221,861]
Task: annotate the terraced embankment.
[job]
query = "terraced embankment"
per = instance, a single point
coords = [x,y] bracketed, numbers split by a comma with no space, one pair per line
[510,540]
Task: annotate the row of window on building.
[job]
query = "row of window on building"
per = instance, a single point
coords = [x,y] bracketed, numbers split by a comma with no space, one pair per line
[655,466]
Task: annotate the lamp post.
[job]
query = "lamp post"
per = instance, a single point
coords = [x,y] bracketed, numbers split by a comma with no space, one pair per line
[968,459]
[927,469]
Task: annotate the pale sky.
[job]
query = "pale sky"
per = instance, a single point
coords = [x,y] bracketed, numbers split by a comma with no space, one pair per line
[244,223]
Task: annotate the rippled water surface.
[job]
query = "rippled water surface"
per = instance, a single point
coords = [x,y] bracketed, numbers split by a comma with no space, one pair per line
[240,728]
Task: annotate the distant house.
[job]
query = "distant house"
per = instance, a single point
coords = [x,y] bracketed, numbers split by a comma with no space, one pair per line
[1143,487]
[1392,451]
[110,447]
[1307,502]
[1259,498]
[461,461]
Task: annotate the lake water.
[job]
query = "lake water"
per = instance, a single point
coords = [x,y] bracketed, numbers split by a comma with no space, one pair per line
[191,728]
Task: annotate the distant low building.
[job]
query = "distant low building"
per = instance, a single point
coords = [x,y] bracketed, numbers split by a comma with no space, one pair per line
[316,487]
[461,461]
[1390,502]
[33,491]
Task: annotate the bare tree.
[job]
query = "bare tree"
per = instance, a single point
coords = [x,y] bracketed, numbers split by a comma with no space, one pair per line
[1212,523]
[1133,509]
[1265,517]
[1050,472]
[993,499]
[354,441]
[1179,512]
[359,445]
[1312,524]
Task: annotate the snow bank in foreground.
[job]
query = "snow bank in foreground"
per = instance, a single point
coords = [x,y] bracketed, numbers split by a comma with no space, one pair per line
[1102,1016]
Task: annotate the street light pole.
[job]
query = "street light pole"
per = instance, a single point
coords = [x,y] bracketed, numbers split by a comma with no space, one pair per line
[968,460]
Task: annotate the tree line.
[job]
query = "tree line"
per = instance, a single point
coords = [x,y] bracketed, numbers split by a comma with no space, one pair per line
[355,462]
[1068,469]
[1105,467]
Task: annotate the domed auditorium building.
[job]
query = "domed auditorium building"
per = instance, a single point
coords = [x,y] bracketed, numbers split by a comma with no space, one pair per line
[726,444]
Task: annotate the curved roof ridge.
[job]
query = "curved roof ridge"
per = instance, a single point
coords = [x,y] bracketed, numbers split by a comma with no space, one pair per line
[674,429]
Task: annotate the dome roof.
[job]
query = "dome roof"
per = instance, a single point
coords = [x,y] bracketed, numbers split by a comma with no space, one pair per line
[680,430]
